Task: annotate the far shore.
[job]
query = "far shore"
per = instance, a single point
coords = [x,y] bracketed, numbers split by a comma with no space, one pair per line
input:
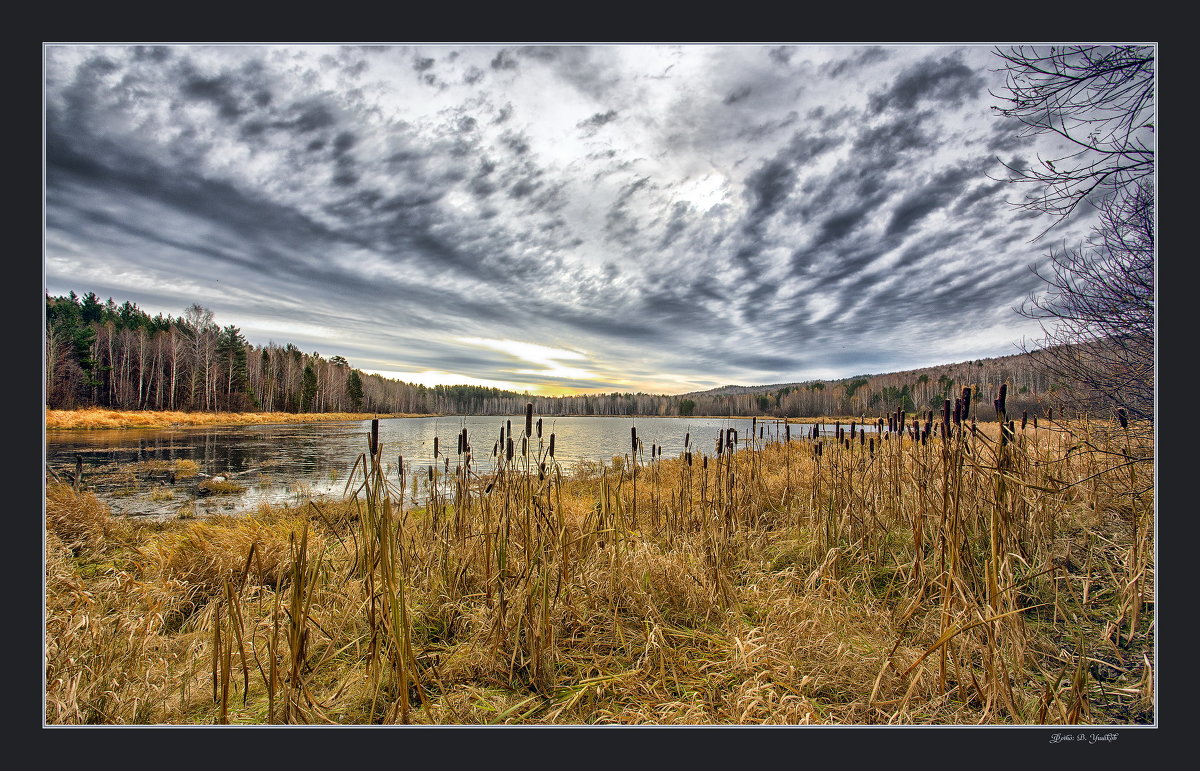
[97,418]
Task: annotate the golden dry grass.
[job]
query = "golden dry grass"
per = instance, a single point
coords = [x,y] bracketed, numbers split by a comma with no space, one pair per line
[937,583]
[95,417]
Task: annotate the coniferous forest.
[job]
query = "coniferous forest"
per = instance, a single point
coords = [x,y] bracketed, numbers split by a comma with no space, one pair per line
[104,354]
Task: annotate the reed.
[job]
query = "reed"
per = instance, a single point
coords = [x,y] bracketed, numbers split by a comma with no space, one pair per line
[968,574]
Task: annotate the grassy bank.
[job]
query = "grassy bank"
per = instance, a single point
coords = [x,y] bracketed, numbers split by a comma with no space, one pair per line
[964,578]
[101,418]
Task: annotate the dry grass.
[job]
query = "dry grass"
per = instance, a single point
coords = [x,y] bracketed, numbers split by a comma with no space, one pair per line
[951,581]
[95,417]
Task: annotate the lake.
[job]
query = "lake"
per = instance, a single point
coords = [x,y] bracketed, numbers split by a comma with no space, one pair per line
[287,463]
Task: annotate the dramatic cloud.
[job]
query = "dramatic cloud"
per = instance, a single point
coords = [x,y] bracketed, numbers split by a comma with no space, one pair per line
[552,218]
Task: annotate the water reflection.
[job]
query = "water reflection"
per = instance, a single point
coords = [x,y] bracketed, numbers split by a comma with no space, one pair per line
[284,463]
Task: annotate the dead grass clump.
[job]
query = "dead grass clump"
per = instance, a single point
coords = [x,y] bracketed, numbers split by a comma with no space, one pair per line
[204,554]
[78,519]
[219,487]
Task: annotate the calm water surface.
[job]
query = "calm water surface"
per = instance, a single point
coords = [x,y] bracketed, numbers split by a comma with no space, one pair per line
[287,463]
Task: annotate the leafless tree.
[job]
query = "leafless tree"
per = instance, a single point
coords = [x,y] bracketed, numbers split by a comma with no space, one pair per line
[1097,314]
[1098,308]
[1100,101]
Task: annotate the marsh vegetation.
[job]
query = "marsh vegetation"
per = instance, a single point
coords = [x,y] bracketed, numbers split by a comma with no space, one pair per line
[935,571]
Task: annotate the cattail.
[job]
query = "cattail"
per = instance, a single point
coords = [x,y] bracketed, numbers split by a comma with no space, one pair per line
[508,452]
[704,461]
[1050,414]
[495,449]
[687,440]
[460,444]
[720,441]
[431,473]
[946,414]
[374,435]
[732,434]
[787,432]
[1001,398]
[862,437]
[1122,417]
[1024,418]
[524,446]
[508,425]
[958,413]
[528,418]
[853,428]
[435,447]
[633,437]
[447,460]
[966,401]
[687,456]
[871,445]
[551,445]
[400,468]
[539,428]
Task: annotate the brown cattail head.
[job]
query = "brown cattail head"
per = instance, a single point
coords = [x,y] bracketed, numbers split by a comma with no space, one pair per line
[524,445]
[958,413]
[732,434]
[946,415]
[1024,418]
[1035,422]
[687,455]
[852,429]
[508,428]
[633,437]
[495,449]
[966,402]
[431,473]
[400,467]
[1000,400]
[508,452]
[871,445]
[528,418]
[687,440]
[704,461]
[435,447]
[1122,417]
[787,432]
[539,428]
[460,446]
[551,445]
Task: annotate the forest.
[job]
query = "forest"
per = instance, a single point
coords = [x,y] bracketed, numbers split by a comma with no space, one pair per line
[105,354]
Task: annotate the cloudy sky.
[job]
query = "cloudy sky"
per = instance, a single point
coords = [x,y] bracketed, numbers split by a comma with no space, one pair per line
[552,218]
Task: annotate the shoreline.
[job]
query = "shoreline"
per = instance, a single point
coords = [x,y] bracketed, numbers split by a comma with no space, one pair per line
[94,418]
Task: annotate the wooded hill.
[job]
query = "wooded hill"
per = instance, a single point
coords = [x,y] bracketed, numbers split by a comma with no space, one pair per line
[107,355]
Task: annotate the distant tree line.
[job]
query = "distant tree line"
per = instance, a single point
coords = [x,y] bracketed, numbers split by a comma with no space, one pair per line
[117,356]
